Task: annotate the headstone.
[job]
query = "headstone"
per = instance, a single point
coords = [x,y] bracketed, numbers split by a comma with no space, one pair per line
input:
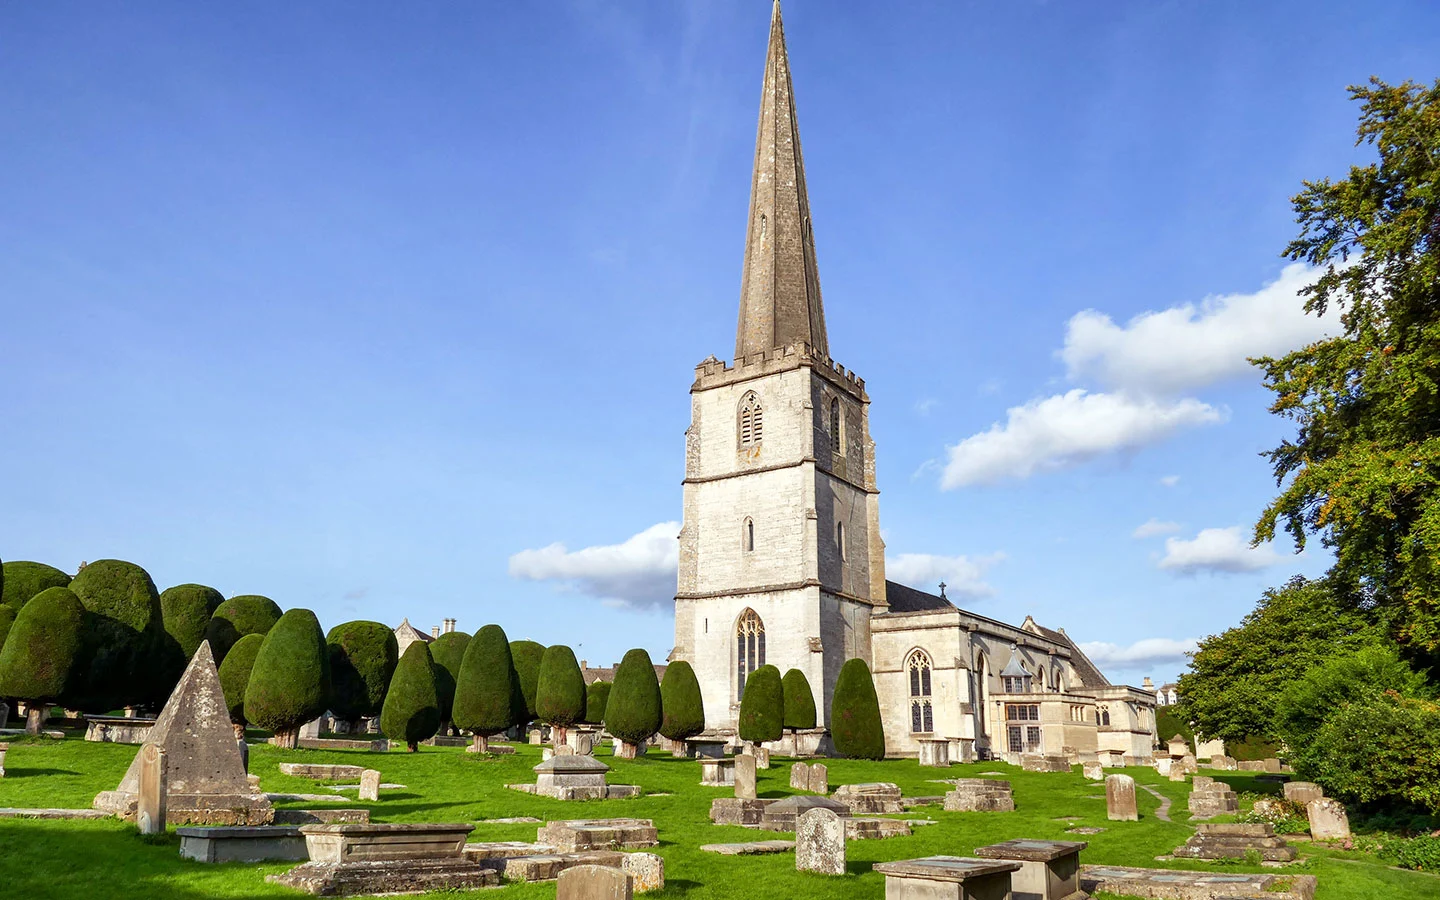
[1223,763]
[819,779]
[1178,746]
[762,756]
[1328,821]
[1177,771]
[745,766]
[594,883]
[934,753]
[1188,764]
[370,785]
[1120,799]
[800,776]
[1163,765]
[150,809]
[820,842]
[535,737]
[1273,765]
[4,714]
[782,815]
[1094,771]
[647,871]
[4,747]
[310,729]
[1302,792]
[244,749]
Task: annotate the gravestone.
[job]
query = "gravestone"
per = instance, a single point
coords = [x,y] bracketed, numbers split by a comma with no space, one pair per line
[1188,764]
[1093,771]
[1209,798]
[1178,746]
[820,842]
[647,871]
[872,798]
[1302,792]
[762,756]
[535,738]
[4,748]
[745,766]
[150,806]
[782,815]
[1223,763]
[370,785]
[594,883]
[800,776]
[4,714]
[310,729]
[1120,799]
[934,752]
[819,779]
[1328,821]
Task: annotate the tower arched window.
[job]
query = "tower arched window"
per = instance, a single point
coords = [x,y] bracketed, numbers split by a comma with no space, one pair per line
[747,536]
[840,538]
[837,441]
[750,647]
[752,422]
[922,713]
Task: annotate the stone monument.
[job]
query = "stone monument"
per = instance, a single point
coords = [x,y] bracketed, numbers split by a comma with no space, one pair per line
[594,883]
[980,795]
[1209,798]
[1120,799]
[1328,821]
[820,842]
[745,766]
[150,804]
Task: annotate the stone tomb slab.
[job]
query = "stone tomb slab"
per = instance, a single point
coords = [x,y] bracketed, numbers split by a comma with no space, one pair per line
[875,829]
[947,878]
[749,848]
[1174,884]
[344,843]
[1049,870]
[735,811]
[782,814]
[870,799]
[980,795]
[322,772]
[348,860]
[1232,841]
[577,835]
[243,843]
[717,772]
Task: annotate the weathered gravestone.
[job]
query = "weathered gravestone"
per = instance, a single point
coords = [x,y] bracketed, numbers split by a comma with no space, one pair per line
[1093,771]
[1302,792]
[745,765]
[370,785]
[4,748]
[646,870]
[1223,763]
[820,842]
[594,883]
[819,779]
[1120,799]
[150,805]
[800,776]
[1328,821]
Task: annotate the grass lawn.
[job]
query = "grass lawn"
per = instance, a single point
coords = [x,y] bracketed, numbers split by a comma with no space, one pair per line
[90,860]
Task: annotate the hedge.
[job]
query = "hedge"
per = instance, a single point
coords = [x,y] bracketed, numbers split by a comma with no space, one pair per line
[634,711]
[363,655]
[762,706]
[799,700]
[21,579]
[290,682]
[235,674]
[38,661]
[412,709]
[486,687]
[526,656]
[124,637]
[682,707]
[597,695]
[242,615]
[560,691]
[448,652]
[855,722]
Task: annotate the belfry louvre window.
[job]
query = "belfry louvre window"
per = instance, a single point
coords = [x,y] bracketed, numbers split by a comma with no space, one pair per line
[836,441]
[922,713]
[752,422]
[750,647]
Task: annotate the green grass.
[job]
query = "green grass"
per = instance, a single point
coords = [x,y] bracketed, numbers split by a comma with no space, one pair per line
[80,859]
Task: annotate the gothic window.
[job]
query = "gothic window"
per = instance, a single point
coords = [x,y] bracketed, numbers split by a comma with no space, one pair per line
[837,443]
[752,426]
[1102,716]
[750,647]
[922,714]
[747,538]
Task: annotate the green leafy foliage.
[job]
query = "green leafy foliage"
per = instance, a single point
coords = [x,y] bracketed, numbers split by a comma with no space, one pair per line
[185,612]
[363,655]
[526,657]
[762,706]
[597,696]
[245,614]
[799,700]
[448,651]
[487,685]
[124,637]
[21,579]
[682,707]
[38,661]
[560,692]
[412,707]
[290,681]
[235,674]
[1168,724]
[7,618]
[855,723]
[1363,469]
[634,711]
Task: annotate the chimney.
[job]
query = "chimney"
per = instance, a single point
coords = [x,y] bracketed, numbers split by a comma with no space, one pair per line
[1147,684]
[584,664]
[449,625]
[434,631]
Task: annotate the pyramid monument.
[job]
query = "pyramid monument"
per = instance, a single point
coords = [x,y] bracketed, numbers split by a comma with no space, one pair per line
[205,777]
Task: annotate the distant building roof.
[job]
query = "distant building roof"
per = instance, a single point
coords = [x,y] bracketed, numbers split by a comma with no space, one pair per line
[1090,675]
[905,599]
[607,673]
[405,631]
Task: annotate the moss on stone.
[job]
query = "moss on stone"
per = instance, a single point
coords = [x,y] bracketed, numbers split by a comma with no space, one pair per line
[290,681]
[486,686]
[560,692]
[412,709]
[682,707]
[39,658]
[799,700]
[363,655]
[235,674]
[762,707]
[634,711]
[855,723]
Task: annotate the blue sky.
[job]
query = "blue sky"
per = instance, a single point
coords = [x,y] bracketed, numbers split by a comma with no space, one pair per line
[366,308]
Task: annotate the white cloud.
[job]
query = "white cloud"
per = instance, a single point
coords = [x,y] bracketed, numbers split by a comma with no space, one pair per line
[1216,550]
[1170,480]
[1154,528]
[964,576]
[1141,654]
[1191,345]
[925,405]
[1063,430]
[639,572]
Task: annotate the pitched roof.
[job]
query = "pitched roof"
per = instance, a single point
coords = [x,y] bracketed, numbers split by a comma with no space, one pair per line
[406,630]
[1090,675]
[905,599]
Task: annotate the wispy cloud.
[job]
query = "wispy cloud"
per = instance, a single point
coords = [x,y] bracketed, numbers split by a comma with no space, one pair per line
[1216,550]
[1169,480]
[964,576]
[1141,654]
[1154,528]
[638,572]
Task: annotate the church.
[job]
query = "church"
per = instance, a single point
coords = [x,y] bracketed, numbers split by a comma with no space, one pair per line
[781,556]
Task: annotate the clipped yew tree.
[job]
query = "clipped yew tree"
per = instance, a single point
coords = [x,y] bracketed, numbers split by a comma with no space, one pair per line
[21,579]
[235,678]
[486,687]
[560,692]
[290,680]
[634,711]
[363,655]
[7,619]
[39,658]
[855,713]
[762,707]
[448,651]
[526,656]
[239,616]
[799,701]
[185,612]
[412,709]
[124,638]
[596,696]
[682,707]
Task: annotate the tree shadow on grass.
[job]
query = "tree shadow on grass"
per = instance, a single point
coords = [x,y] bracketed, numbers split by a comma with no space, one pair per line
[13,772]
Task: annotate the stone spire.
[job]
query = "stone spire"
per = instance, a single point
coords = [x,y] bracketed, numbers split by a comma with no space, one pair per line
[780,288]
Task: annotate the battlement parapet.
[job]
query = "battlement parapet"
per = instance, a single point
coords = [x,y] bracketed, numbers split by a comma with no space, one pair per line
[712,372]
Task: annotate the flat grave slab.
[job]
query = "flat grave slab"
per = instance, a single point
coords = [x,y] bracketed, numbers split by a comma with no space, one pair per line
[322,816]
[16,812]
[781,815]
[749,848]
[1049,870]
[1232,841]
[379,745]
[576,835]
[953,877]
[1172,884]
[371,877]
[735,811]
[322,772]
[875,829]
[243,843]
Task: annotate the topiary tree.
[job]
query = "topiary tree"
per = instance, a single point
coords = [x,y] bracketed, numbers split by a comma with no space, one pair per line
[634,711]
[560,691]
[448,651]
[21,579]
[38,660]
[290,681]
[597,695]
[363,656]
[762,706]
[124,637]
[239,616]
[412,708]
[682,707]
[855,722]
[185,612]
[799,701]
[486,687]
[235,678]
[7,618]
[526,656]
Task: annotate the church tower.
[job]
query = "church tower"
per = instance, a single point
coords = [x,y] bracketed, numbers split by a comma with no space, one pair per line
[781,561]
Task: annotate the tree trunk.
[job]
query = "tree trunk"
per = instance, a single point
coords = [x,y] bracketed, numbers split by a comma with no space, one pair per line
[34,717]
[558,735]
[411,747]
[627,750]
[287,740]
[480,743]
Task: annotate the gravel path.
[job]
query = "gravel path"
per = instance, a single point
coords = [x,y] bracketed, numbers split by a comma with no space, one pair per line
[1163,813]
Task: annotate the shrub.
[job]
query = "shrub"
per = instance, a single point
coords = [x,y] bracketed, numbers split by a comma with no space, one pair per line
[235,674]
[1377,750]
[597,695]
[239,616]
[1306,703]
[682,707]
[799,700]
[448,651]
[20,580]
[855,713]
[124,637]
[412,709]
[7,618]
[38,660]
[486,687]
[363,655]
[560,691]
[634,711]
[290,682]
[762,706]
[526,657]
